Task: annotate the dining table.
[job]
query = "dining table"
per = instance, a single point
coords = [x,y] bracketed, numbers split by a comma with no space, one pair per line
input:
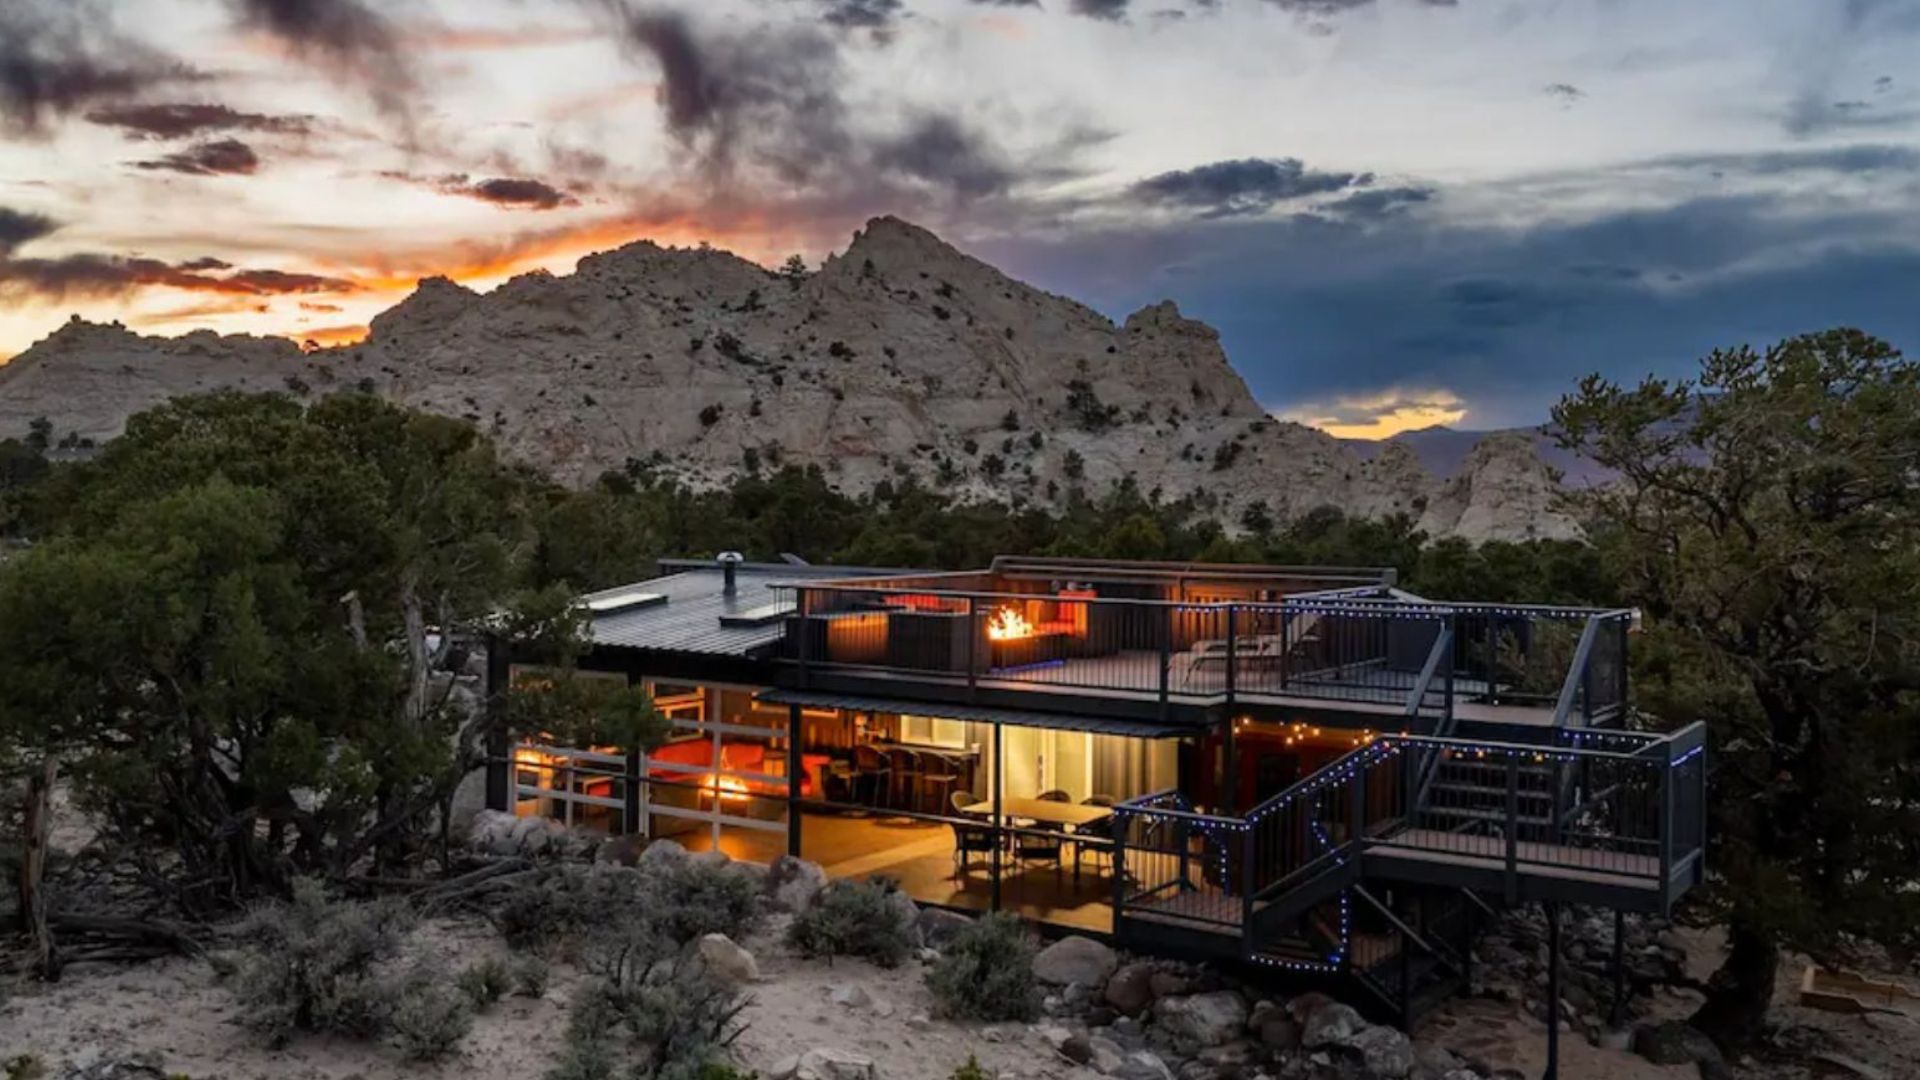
[1043,810]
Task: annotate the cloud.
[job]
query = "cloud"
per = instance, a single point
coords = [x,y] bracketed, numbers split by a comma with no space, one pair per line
[346,38]
[18,228]
[96,277]
[1110,10]
[876,15]
[1379,415]
[1246,186]
[221,157]
[764,92]
[521,193]
[59,57]
[1007,3]
[1567,93]
[179,120]
[1375,203]
[941,150]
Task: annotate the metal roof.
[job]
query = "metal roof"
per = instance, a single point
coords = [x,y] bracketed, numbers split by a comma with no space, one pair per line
[689,619]
[1099,725]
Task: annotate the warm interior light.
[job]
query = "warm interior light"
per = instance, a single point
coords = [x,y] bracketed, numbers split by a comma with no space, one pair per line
[726,787]
[1007,624]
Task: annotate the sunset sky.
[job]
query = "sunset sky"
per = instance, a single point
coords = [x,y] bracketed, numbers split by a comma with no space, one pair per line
[1398,212]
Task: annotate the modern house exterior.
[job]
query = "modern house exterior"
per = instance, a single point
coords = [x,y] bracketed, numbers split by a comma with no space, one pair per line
[1301,768]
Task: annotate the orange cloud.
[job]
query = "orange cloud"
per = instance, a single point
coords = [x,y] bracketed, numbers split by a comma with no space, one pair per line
[327,337]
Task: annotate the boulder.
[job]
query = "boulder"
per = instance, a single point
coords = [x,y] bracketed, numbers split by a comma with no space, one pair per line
[853,997]
[1168,983]
[713,857]
[1202,1020]
[828,1064]
[1385,1051]
[620,850]
[1105,1055]
[1677,1043]
[1075,960]
[792,883]
[1280,1032]
[905,910]
[938,925]
[728,960]
[1130,989]
[492,832]
[1144,1065]
[662,853]
[1330,1024]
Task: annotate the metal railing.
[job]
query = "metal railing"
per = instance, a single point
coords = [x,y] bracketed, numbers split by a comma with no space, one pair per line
[1346,644]
[1632,817]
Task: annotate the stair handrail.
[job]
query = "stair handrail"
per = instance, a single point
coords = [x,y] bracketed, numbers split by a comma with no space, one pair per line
[1442,646]
[1329,774]
[1576,672]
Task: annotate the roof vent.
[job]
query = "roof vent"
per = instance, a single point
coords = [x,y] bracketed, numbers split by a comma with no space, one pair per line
[729,563]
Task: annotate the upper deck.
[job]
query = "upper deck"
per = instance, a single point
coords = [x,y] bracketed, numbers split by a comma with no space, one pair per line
[1147,638]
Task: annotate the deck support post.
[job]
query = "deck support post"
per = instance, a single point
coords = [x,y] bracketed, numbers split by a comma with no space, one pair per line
[500,778]
[996,778]
[1229,768]
[1553,991]
[1618,1014]
[796,775]
[973,641]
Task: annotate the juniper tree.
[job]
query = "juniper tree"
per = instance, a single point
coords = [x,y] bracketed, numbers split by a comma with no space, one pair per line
[1767,518]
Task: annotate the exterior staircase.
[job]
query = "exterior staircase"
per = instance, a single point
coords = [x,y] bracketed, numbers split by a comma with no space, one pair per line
[1376,868]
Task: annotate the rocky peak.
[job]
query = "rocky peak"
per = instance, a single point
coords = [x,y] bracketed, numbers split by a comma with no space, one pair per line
[903,357]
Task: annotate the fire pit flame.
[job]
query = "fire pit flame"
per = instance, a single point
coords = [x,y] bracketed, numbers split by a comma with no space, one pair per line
[1007,624]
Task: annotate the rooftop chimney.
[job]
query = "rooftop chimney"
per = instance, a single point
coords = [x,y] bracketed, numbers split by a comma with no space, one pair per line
[729,563]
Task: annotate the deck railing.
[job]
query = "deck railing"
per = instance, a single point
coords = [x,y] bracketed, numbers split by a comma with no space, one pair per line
[1347,644]
[1631,816]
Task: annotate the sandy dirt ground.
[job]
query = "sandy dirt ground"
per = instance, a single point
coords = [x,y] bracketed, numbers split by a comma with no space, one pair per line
[181,1011]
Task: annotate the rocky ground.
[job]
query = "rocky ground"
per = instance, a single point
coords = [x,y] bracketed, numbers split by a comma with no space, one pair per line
[1104,1016]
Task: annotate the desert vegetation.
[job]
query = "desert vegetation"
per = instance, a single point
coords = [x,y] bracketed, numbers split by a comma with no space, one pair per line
[235,639]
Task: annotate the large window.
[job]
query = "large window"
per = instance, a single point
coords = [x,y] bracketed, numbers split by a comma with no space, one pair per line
[721,776]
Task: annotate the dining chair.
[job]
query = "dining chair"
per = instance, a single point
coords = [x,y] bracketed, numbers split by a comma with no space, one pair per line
[1055,795]
[1040,847]
[968,839]
[1099,800]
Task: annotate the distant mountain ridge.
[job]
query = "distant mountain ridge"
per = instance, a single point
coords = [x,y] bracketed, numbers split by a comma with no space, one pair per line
[900,357]
[1442,451]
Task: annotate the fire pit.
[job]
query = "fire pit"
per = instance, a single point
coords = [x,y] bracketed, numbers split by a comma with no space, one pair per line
[1014,641]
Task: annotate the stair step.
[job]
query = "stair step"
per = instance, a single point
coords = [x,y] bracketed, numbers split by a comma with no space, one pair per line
[1491,791]
[1460,813]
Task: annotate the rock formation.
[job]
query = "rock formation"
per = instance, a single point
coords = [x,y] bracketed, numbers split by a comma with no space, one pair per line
[900,357]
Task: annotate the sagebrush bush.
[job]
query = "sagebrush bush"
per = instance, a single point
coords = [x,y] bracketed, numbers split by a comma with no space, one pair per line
[683,899]
[692,898]
[486,981]
[972,1070]
[429,1017]
[531,974]
[312,964]
[985,971]
[855,918]
[645,1018]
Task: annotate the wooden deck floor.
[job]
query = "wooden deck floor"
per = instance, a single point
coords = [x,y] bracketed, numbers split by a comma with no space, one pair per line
[1534,859]
[1134,676]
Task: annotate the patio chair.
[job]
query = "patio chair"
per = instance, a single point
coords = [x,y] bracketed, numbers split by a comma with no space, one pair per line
[1055,795]
[1040,847]
[1093,840]
[1099,800]
[967,839]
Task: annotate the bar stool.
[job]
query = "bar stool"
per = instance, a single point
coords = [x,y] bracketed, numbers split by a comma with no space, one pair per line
[872,773]
[938,774]
[906,778]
